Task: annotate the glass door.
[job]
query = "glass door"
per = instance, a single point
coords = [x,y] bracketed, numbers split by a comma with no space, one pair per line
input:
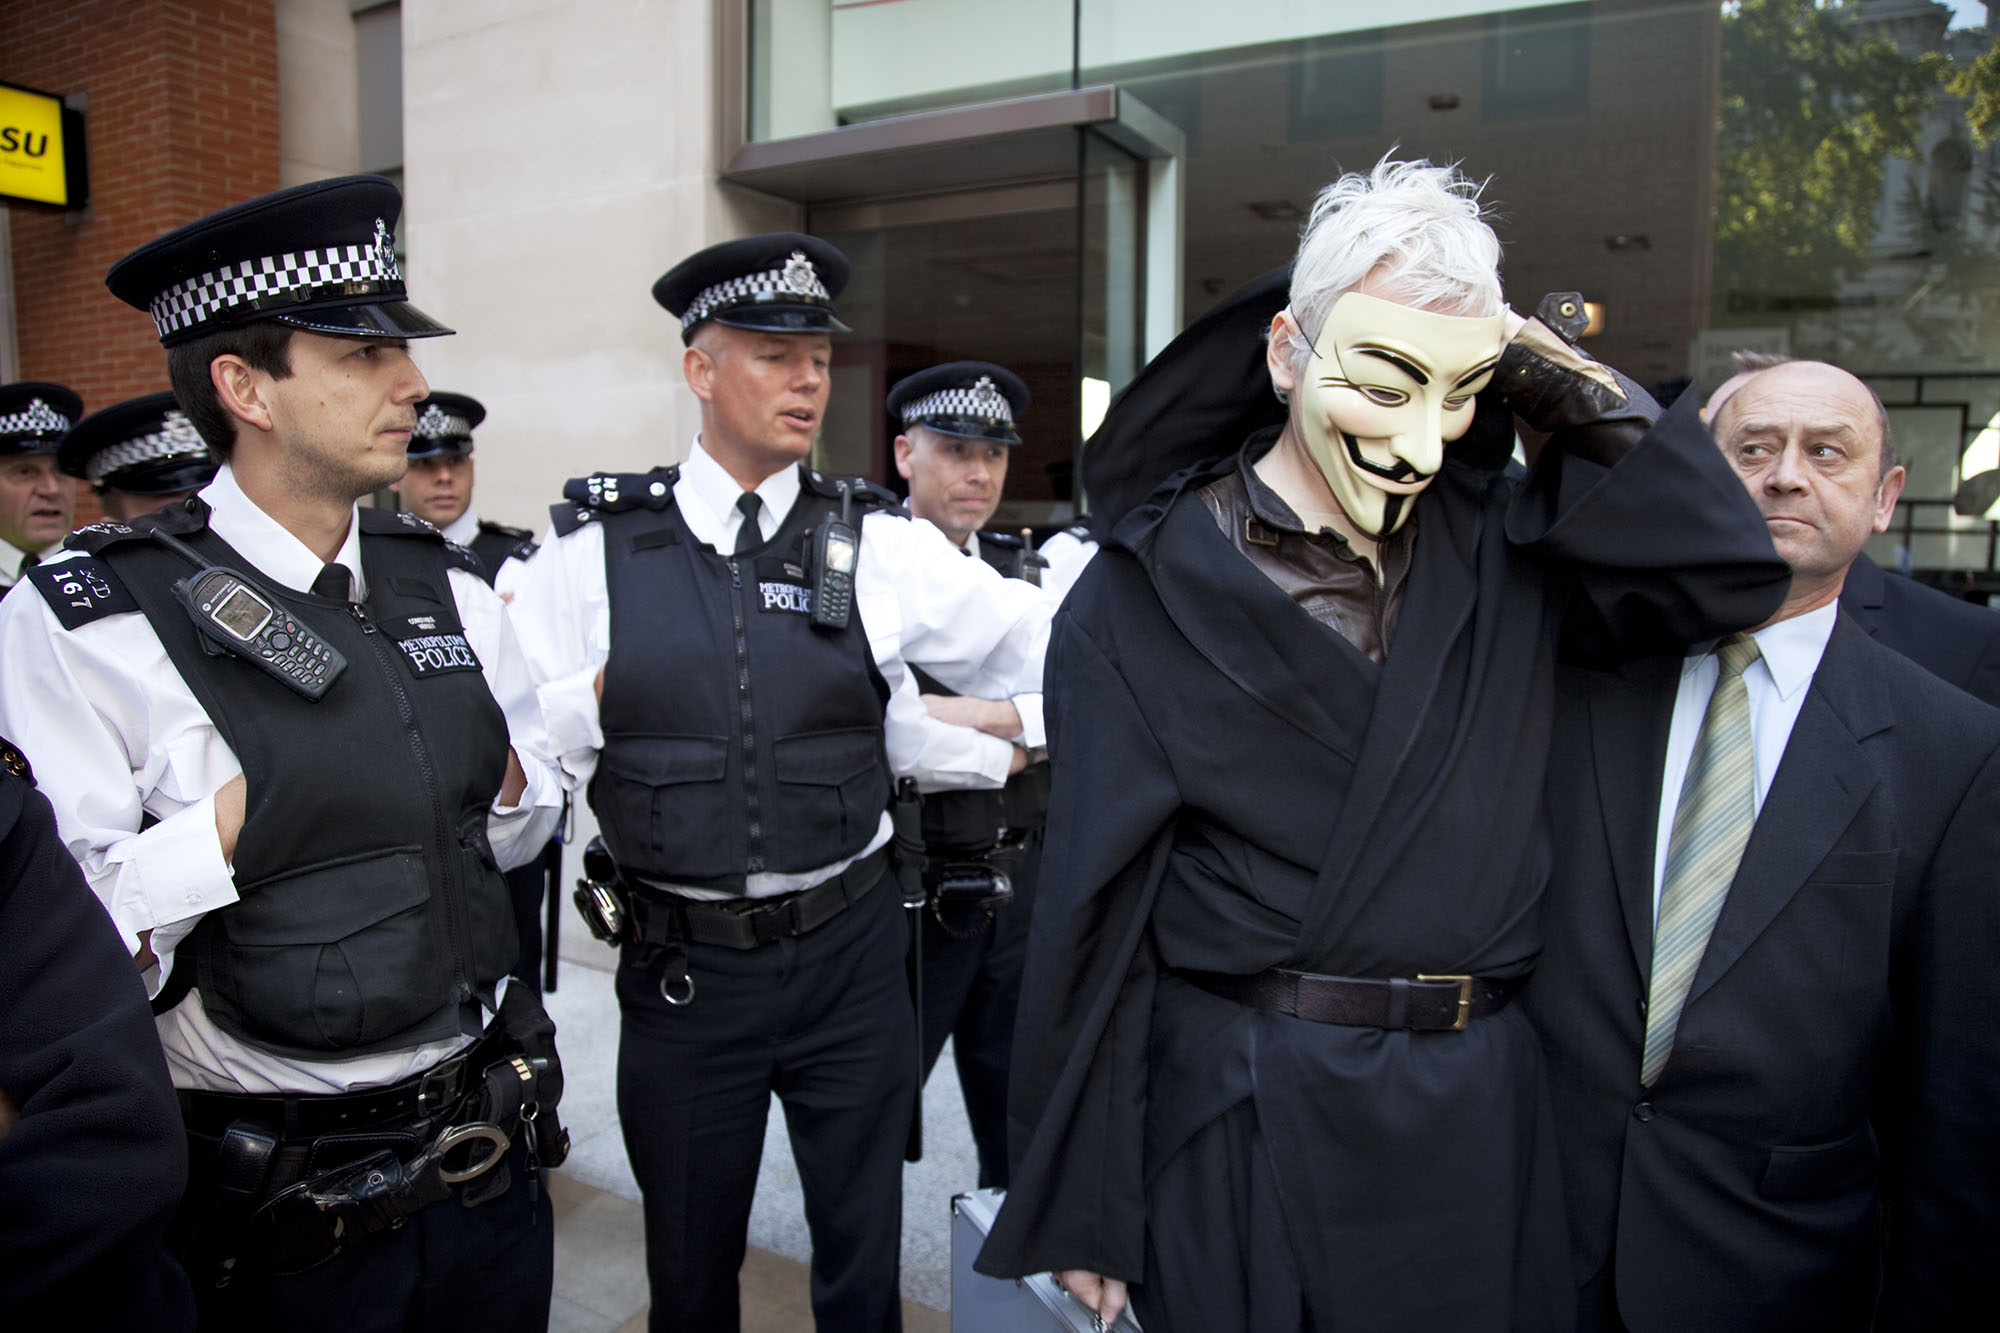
[1044,278]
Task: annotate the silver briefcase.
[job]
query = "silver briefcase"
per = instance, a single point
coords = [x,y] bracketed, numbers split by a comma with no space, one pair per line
[981,1304]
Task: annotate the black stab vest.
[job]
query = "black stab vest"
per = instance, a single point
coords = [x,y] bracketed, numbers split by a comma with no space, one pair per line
[968,821]
[496,544]
[738,736]
[372,913]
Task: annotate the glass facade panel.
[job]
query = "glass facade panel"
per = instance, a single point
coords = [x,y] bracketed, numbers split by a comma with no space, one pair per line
[1800,178]
[1039,279]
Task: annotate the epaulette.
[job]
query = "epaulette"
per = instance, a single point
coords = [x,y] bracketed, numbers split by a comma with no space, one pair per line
[84,589]
[1006,541]
[461,557]
[524,546]
[395,523]
[600,493]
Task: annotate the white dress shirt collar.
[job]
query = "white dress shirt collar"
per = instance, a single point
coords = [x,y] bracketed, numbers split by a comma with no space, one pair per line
[463,528]
[1790,649]
[13,562]
[715,493]
[268,545]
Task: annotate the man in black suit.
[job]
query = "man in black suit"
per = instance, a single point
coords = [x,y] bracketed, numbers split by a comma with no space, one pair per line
[1798,1134]
[1947,636]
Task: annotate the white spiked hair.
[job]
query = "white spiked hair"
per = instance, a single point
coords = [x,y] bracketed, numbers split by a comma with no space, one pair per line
[1418,230]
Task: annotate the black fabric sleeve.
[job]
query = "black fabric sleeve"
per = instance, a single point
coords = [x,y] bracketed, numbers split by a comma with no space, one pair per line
[1076,1103]
[1662,550]
[92,1171]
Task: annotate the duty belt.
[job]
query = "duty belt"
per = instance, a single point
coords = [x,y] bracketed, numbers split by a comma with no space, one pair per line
[1426,1003]
[422,1097]
[296,1179]
[751,923]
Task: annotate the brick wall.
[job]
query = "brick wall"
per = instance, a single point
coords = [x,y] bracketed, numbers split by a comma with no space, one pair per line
[182,120]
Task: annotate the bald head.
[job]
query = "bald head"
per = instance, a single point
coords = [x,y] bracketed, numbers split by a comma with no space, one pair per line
[1808,442]
[1753,364]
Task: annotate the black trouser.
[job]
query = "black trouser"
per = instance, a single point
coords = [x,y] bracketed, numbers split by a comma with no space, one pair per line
[824,1021]
[972,991]
[490,1268]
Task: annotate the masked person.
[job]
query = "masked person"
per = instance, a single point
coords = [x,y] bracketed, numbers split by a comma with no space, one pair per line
[139,455]
[1267,1074]
[292,743]
[37,501]
[725,649]
[981,845]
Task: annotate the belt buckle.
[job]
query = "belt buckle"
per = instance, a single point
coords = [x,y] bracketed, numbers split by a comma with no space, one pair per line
[431,1101]
[1464,994]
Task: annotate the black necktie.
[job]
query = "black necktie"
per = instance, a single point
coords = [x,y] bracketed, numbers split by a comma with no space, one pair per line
[334,581]
[748,537]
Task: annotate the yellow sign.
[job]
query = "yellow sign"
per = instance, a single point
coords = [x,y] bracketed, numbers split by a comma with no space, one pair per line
[33,162]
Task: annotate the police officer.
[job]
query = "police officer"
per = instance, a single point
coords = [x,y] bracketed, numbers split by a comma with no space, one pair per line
[291,744]
[37,502]
[139,455]
[982,846]
[724,647]
[438,488]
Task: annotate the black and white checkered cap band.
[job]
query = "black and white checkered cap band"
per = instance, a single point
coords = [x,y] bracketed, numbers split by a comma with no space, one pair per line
[798,279]
[438,424]
[38,418]
[277,281]
[980,402]
[176,438]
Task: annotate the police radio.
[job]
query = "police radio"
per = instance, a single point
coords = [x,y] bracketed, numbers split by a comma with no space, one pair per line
[835,546]
[238,617]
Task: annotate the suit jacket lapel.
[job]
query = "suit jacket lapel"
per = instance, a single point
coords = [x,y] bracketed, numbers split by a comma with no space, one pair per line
[1820,784]
[1629,719]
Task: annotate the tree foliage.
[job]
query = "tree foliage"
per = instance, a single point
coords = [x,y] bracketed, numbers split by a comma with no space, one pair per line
[1813,107]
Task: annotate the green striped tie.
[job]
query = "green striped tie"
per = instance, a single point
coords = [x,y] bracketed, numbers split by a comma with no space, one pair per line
[1717,808]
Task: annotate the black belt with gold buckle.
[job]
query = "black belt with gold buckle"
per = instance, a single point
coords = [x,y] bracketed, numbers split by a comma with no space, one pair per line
[1428,1002]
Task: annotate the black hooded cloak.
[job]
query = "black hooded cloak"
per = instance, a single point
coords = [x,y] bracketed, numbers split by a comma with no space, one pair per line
[1236,787]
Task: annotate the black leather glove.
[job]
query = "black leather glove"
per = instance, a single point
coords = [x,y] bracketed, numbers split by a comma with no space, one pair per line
[1589,409]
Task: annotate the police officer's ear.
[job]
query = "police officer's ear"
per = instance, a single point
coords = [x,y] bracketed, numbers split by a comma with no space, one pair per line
[698,369]
[905,467]
[239,388]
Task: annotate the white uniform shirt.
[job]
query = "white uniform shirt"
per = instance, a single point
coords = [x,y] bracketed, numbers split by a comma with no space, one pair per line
[918,601]
[116,735]
[1788,656]
[1067,555]
[1033,734]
